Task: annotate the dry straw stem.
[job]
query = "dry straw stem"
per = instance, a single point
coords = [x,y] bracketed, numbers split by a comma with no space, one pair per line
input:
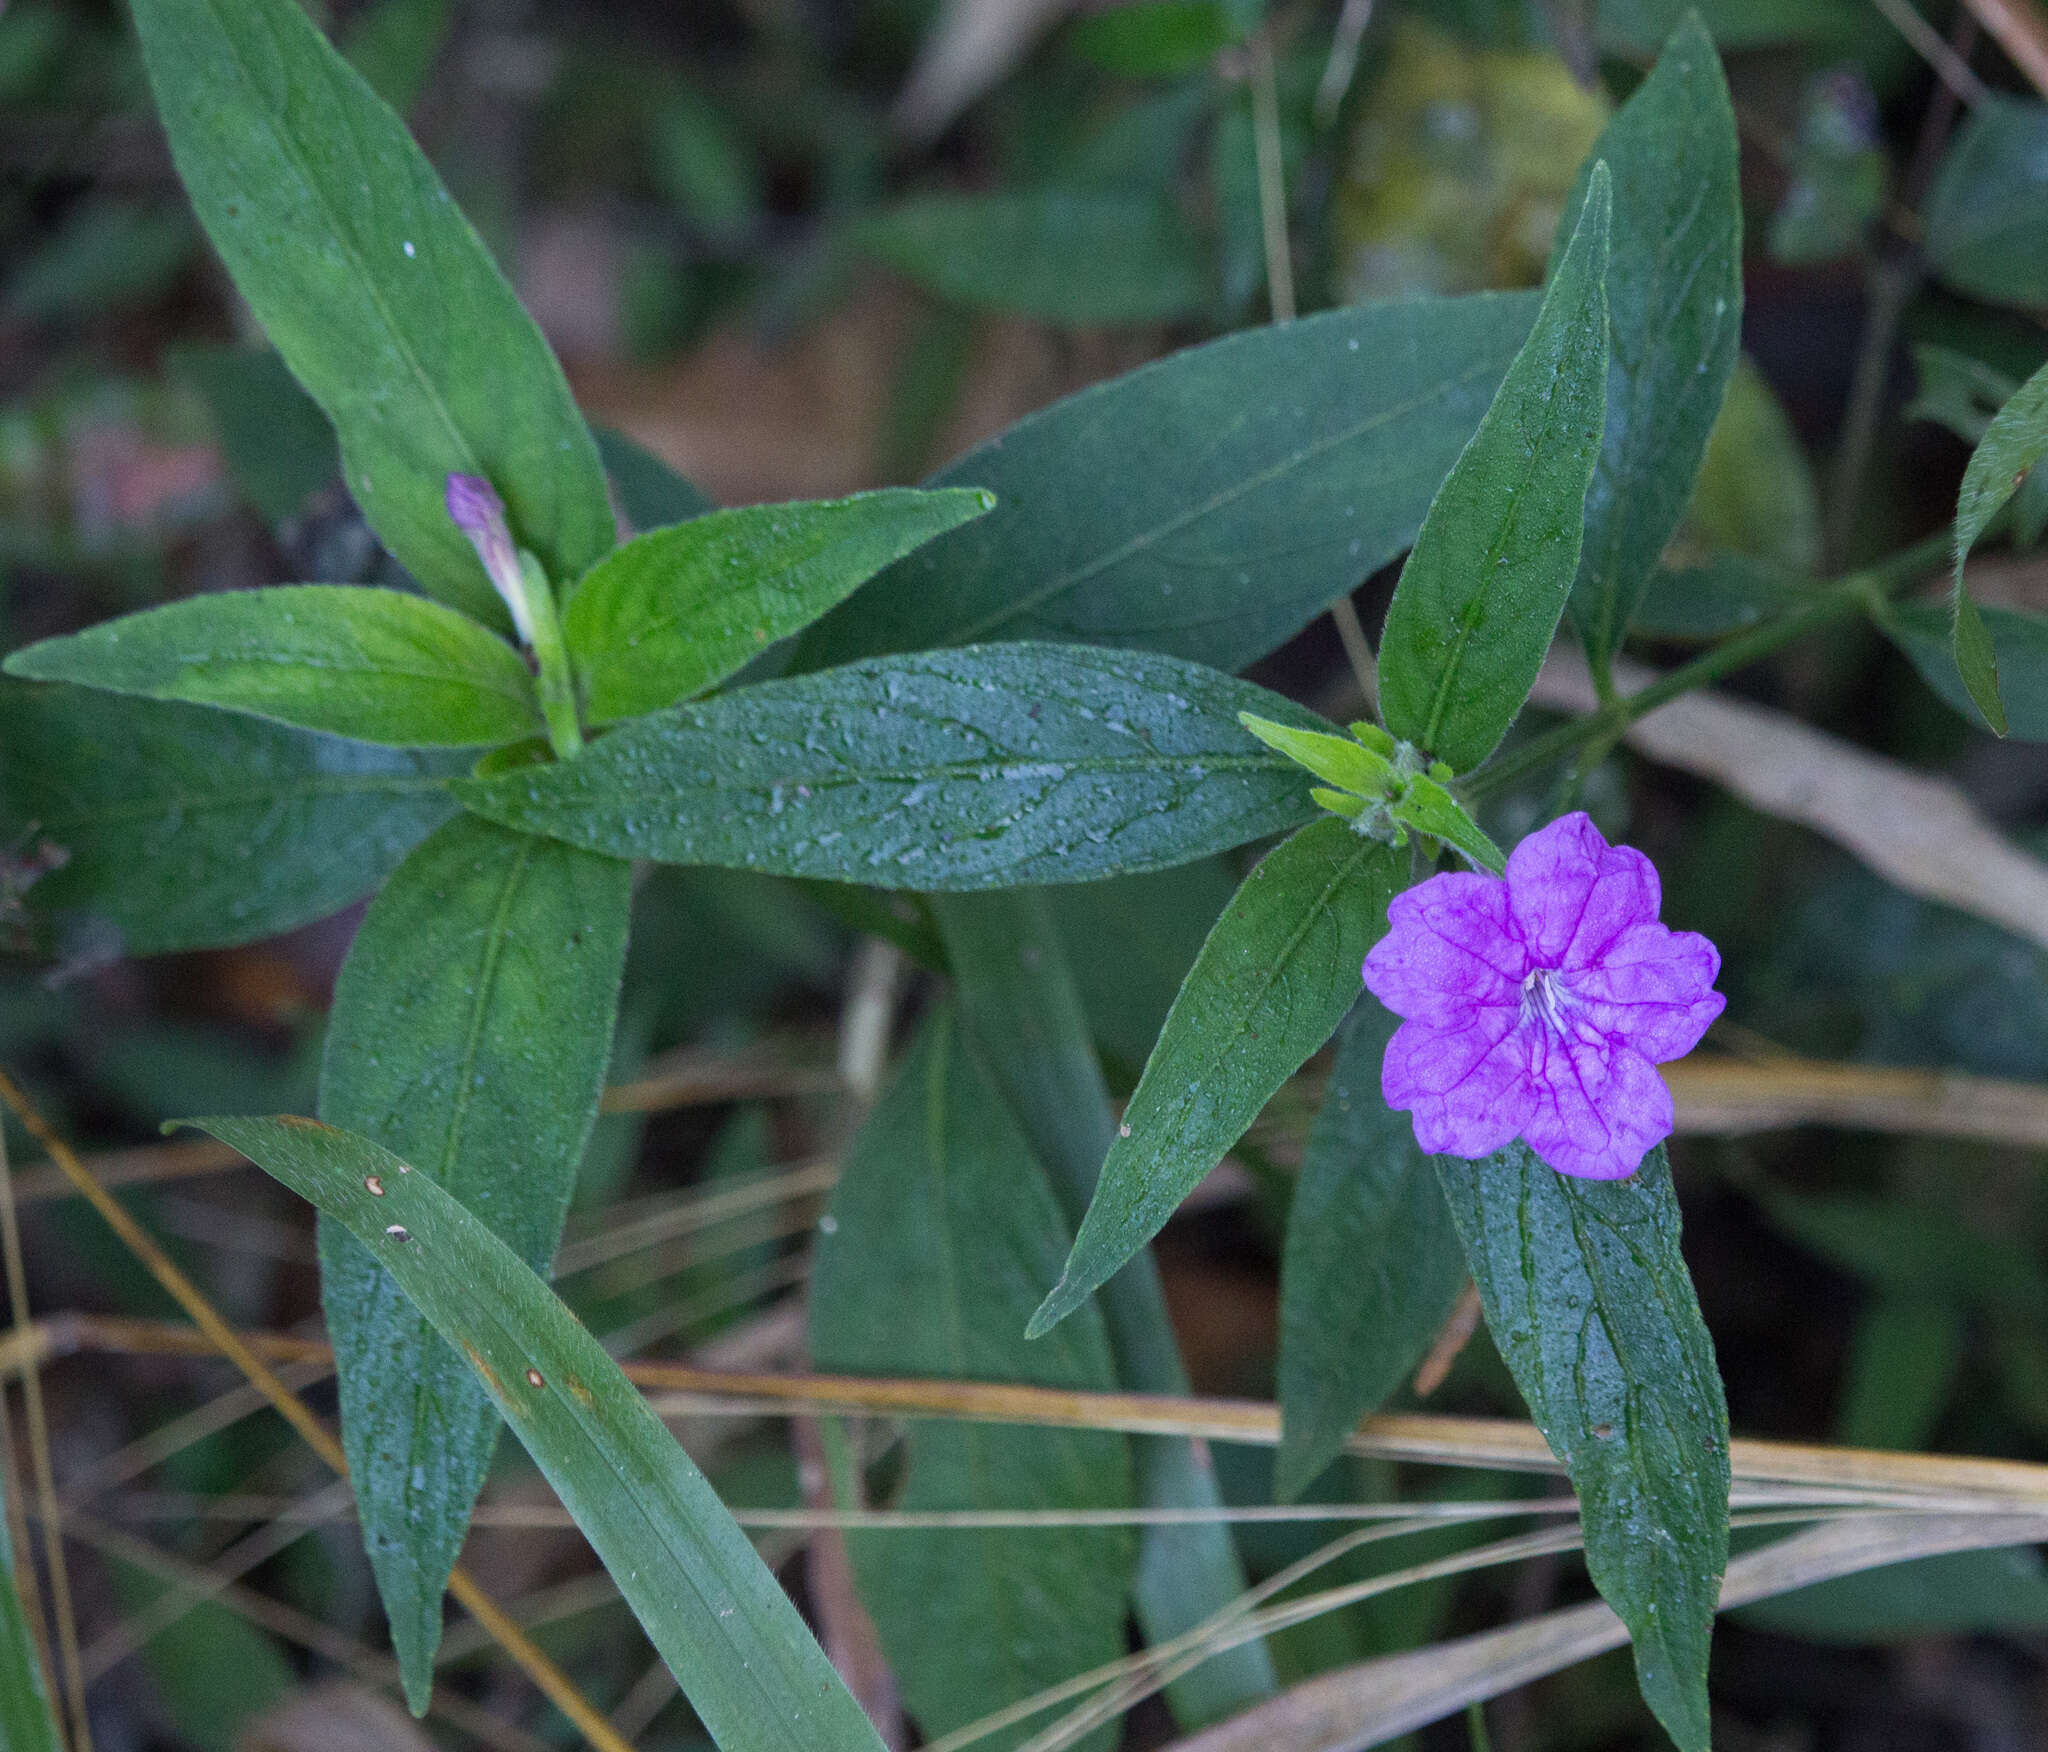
[1374,1701]
[298,1627]
[1919,833]
[554,1684]
[2021,28]
[1726,1095]
[1947,1483]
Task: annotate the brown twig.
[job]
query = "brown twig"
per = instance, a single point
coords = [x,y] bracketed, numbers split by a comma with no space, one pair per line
[554,1684]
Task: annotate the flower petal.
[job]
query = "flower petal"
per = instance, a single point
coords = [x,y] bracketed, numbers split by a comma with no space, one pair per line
[1600,1106]
[1449,946]
[1653,989]
[1572,894]
[1468,1091]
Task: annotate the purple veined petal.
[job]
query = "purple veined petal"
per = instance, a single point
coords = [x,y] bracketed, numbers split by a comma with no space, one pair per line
[1571,893]
[1449,946]
[1467,1093]
[1600,1106]
[1653,989]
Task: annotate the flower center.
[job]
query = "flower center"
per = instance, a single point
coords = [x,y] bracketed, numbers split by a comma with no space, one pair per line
[1544,996]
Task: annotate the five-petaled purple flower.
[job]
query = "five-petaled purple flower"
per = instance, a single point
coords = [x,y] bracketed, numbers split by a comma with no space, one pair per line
[1539,1006]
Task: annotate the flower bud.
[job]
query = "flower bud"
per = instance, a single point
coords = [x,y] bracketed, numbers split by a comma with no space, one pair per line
[475,508]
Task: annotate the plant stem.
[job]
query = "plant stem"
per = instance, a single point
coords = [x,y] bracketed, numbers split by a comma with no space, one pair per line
[1856,593]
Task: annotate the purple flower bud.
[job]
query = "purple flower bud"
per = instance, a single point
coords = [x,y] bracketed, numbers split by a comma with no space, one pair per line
[1538,1006]
[475,508]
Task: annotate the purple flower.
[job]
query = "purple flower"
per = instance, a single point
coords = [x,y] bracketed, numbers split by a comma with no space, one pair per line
[1538,1006]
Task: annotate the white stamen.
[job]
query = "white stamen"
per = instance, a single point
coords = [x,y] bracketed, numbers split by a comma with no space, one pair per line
[1544,996]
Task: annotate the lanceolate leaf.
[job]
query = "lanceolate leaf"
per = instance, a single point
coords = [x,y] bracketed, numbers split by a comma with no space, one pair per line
[745,1661]
[1019,1001]
[374,288]
[680,609]
[1271,984]
[1372,1263]
[2019,641]
[1674,305]
[189,829]
[651,494]
[942,1229]
[2013,443]
[471,1030]
[377,665]
[1481,594]
[1208,505]
[1587,1298]
[1082,257]
[1986,233]
[987,767]
[26,1724]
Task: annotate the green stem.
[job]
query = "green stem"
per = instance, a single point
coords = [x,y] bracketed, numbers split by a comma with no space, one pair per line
[1859,592]
[557,683]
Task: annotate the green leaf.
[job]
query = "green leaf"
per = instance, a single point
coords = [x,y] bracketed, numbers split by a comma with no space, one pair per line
[1130,942]
[1481,594]
[278,445]
[1083,258]
[1587,1298]
[1428,808]
[1372,1263]
[105,254]
[1674,307]
[2013,443]
[1021,1004]
[731,1637]
[2019,643]
[980,768]
[26,1724]
[377,665]
[1902,1370]
[680,609]
[1986,225]
[942,1228]
[1320,444]
[651,494]
[1159,38]
[1755,493]
[1951,1595]
[394,44]
[1271,984]
[1726,594]
[373,286]
[191,829]
[471,1030]
[1339,760]
[1638,26]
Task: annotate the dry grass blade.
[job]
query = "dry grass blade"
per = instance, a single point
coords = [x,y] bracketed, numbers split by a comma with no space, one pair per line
[302,1629]
[671,1218]
[554,1684]
[38,1431]
[2021,28]
[1726,1096]
[231,1565]
[334,1718]
[1919,833]
[1929,1481]
[1374,1701]
[970,46]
